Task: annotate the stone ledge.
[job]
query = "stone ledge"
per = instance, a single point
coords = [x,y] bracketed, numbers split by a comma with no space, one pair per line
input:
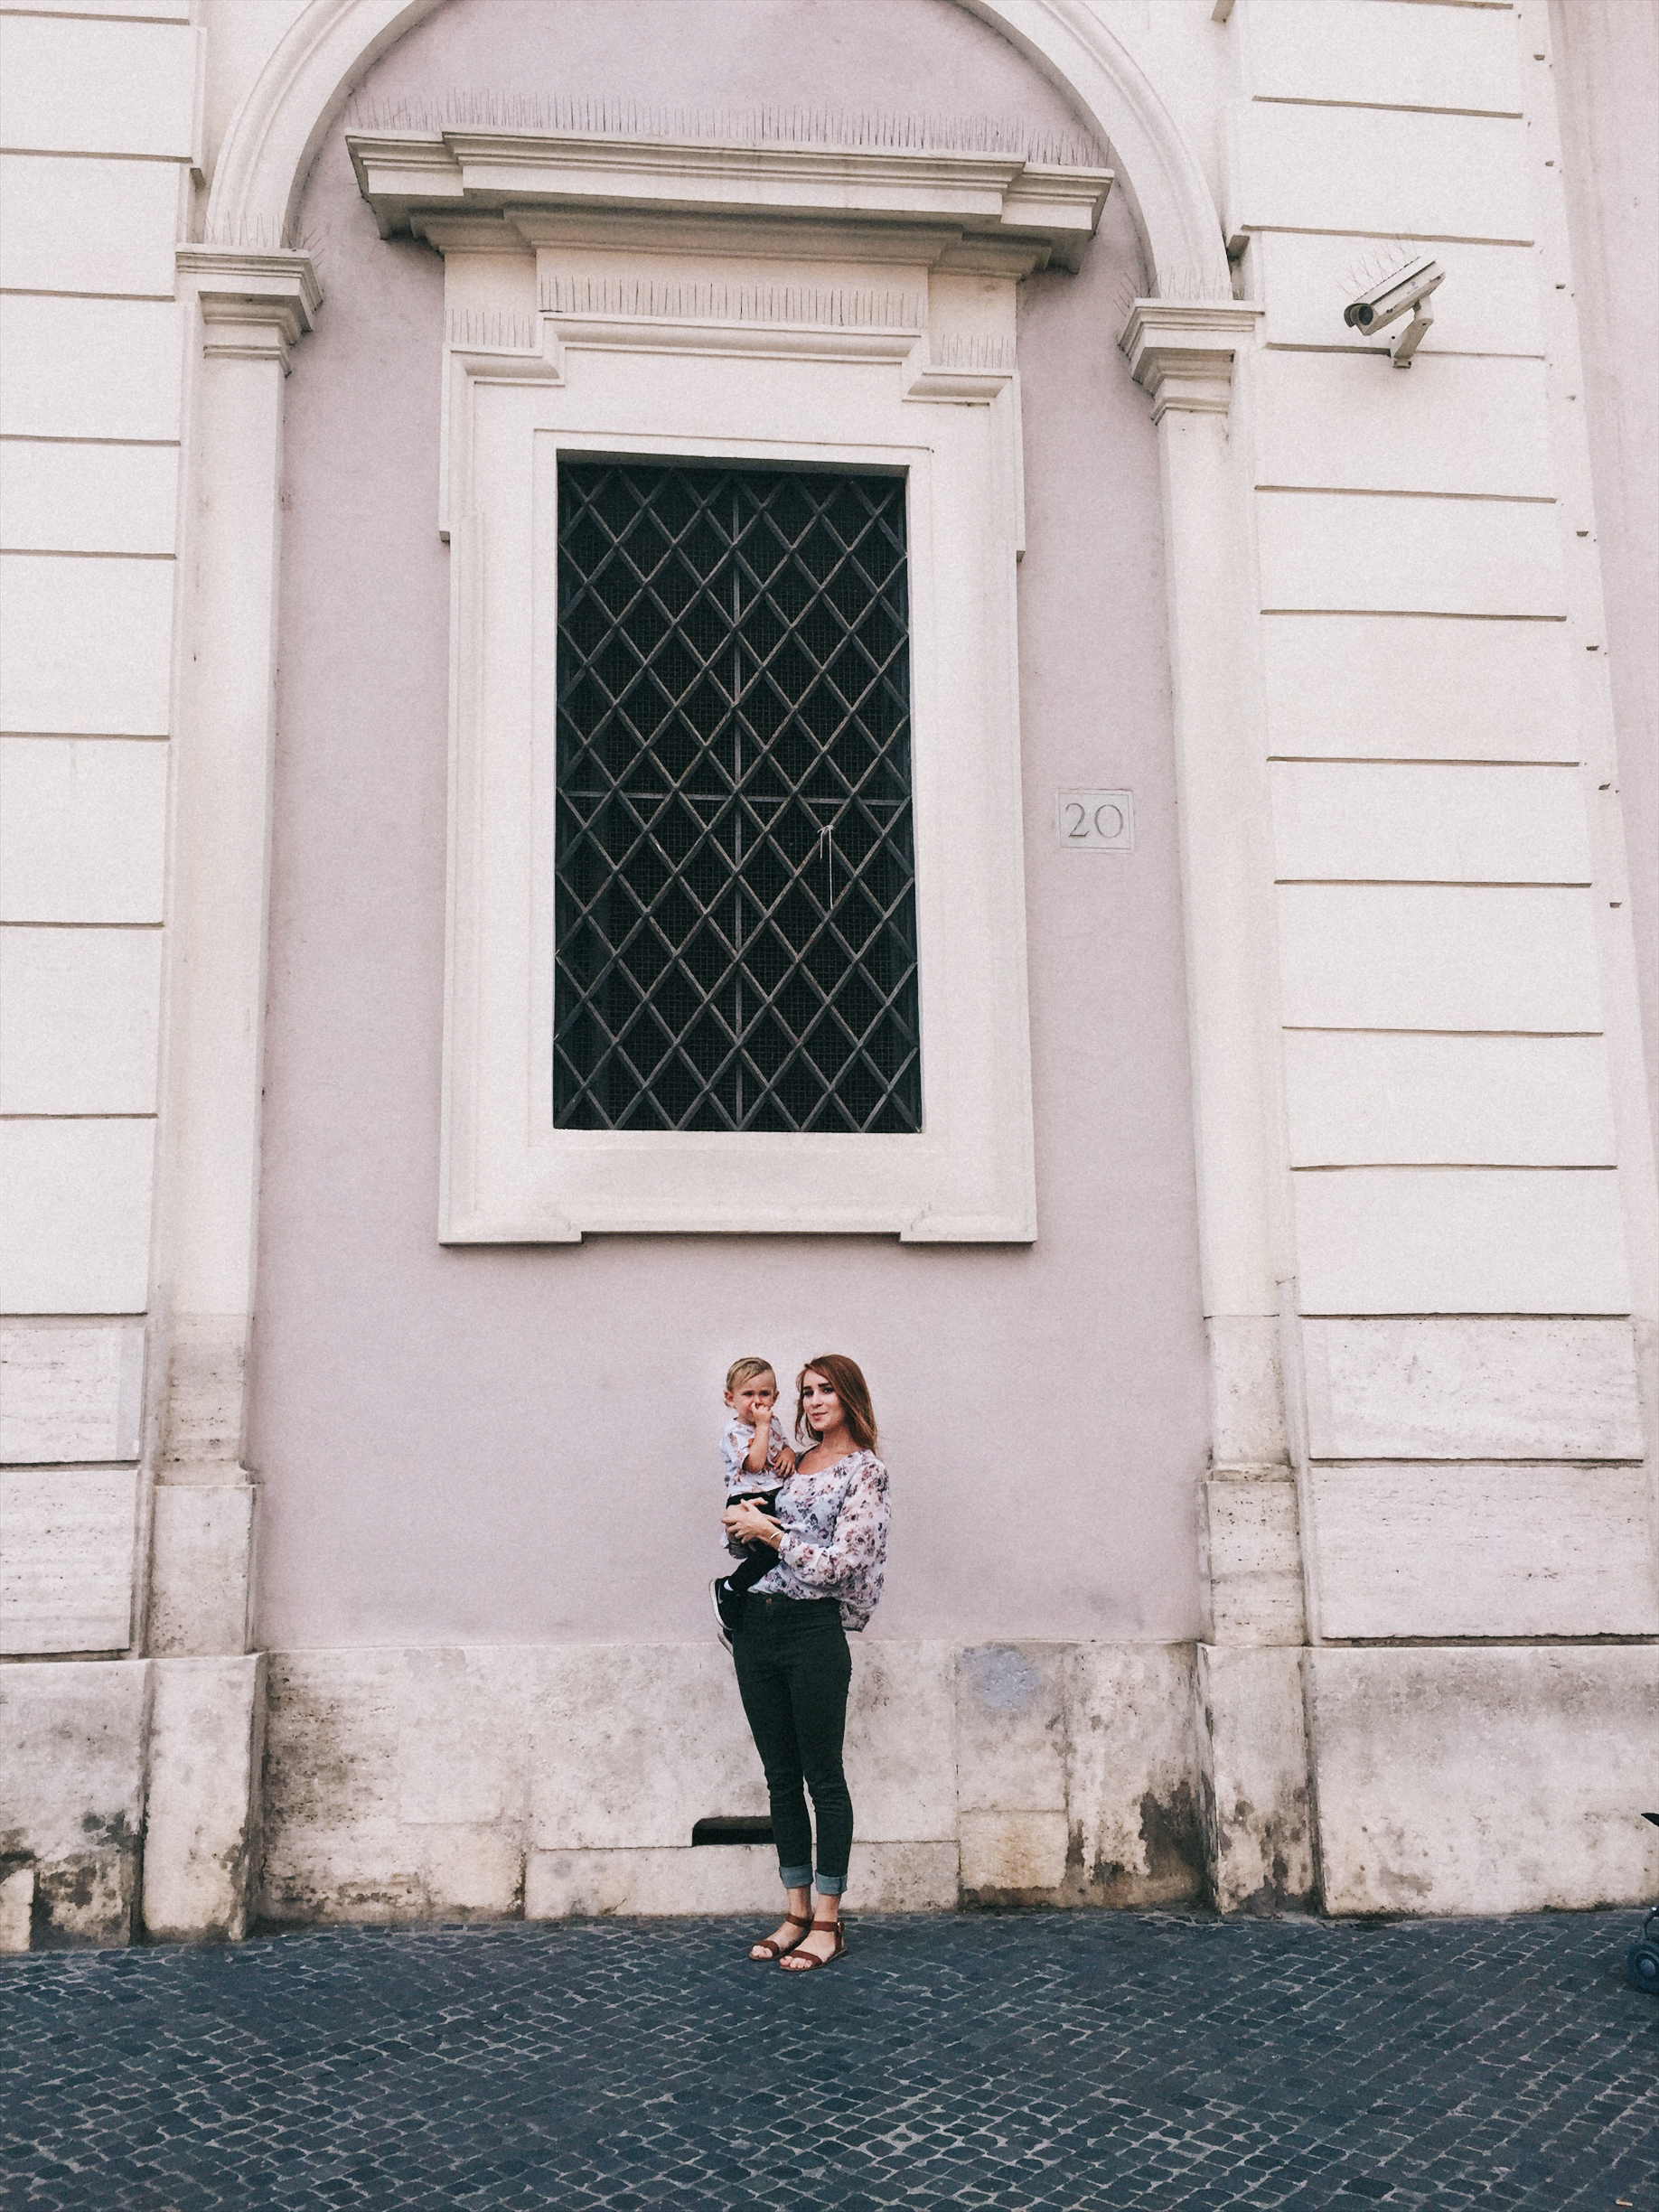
[727,1879]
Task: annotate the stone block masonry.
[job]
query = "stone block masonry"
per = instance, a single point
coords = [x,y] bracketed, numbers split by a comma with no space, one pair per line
[190,1797]
[558,1780]
[73,1754]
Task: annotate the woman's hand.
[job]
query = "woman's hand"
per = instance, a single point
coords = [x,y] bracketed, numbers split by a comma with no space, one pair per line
[748,1525]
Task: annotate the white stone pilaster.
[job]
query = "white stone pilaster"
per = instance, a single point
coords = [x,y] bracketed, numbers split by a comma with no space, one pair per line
[253,307]
[1252,1746]
[1182,353]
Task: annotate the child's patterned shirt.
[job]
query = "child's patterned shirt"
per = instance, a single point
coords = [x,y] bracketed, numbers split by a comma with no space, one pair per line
[734,1441]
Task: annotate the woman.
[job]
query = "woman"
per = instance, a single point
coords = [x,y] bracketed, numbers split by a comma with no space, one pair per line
[828,1528]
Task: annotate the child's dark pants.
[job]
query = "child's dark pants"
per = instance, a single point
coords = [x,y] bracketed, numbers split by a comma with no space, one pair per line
[793,1668]
[758,1559]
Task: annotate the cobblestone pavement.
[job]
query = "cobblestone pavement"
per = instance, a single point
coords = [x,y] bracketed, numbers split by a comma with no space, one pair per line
[1079,2059]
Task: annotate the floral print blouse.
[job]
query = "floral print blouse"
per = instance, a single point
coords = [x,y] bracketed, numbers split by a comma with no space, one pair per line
[835,1537]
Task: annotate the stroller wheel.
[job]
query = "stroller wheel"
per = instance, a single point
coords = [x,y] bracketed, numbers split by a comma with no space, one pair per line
[1641,1965]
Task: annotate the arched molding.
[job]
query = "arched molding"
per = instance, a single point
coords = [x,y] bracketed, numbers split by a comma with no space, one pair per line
[277,132]
[1156,171]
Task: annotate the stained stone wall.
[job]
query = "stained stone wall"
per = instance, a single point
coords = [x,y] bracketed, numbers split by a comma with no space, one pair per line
[548,1780]
[129,1799]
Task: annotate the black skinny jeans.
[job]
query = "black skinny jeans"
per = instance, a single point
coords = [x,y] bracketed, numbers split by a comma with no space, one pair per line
[793,1668]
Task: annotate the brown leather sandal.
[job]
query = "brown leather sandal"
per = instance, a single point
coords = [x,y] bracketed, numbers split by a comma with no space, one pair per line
[807,1960]
[763,1953]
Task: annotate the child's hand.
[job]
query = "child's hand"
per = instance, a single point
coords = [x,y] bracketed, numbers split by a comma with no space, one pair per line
[786,1460]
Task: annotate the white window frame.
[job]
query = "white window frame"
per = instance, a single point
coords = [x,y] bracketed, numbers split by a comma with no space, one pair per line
[815,336]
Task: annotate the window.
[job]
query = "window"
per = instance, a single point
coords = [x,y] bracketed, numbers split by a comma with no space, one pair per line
[734,902]
[730,470]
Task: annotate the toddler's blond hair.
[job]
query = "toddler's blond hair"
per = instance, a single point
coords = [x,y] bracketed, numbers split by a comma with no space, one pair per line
[743,1371]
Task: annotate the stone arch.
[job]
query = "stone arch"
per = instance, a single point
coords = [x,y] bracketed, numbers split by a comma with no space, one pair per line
[275,135]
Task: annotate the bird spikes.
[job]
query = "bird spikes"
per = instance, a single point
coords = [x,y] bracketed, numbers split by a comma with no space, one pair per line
[853,128]
[1386,257]
[258,234]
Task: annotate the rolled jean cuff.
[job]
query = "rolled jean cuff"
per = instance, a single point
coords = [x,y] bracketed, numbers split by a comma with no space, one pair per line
[795,1878]
[829,1885]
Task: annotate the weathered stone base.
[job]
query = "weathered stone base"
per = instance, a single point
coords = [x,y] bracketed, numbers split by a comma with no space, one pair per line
[569,1778]
[441,1783]
[1075,1776]
[1485,1779]
[73,1743]
[1253,1768]
[729,1878]
[201,1825]
[16,1908]
[128,1799]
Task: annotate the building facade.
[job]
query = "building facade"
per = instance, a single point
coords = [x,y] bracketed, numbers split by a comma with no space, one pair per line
[696,677]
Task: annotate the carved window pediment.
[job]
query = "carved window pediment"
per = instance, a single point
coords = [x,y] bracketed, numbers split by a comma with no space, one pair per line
[969,201]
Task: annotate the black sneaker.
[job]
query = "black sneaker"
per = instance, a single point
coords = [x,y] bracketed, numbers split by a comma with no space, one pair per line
[728,1609]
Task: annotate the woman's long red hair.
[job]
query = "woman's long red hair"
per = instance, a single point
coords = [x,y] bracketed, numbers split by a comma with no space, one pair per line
[846,1378]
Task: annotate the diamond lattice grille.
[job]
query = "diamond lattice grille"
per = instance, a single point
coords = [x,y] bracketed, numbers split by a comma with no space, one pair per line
[736,895]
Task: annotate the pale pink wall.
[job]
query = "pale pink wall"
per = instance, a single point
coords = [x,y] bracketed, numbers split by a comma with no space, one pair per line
[513,1445]
[1608,84]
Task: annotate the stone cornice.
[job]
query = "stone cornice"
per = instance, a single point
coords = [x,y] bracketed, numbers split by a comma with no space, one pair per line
[256,305]
[407,176]
[1182,352]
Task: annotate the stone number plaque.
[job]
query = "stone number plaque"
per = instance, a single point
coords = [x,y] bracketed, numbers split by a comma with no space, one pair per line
[1095,820]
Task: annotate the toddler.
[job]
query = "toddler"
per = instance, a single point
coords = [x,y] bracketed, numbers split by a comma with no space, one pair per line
[755,1461]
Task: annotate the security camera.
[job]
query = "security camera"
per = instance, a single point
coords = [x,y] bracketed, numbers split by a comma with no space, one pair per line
[1407,291]
[1386,301]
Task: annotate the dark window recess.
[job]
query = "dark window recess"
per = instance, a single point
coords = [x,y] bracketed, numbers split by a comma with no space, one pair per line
[734,1828]
[734,920]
